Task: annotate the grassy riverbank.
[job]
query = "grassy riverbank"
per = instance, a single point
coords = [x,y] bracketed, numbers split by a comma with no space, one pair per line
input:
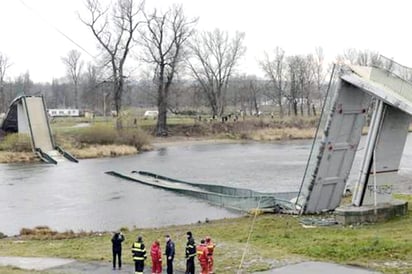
[99,138]
[275,240]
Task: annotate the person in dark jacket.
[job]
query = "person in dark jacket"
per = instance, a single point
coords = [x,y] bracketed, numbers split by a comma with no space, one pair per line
[190,253]
[117,240]
[170,254]
[139,255]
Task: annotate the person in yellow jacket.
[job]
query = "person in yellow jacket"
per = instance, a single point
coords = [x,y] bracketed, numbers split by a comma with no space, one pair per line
[139,255]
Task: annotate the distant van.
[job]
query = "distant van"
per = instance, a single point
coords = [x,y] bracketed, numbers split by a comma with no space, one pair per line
[63,112]
[150,114]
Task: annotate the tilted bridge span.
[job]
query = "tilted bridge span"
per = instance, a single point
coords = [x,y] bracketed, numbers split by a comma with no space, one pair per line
[28,114]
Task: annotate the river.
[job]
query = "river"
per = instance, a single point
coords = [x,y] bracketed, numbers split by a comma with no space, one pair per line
[82,197]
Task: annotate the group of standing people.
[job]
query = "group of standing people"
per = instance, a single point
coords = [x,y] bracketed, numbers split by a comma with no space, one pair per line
[139,255]
[203,251]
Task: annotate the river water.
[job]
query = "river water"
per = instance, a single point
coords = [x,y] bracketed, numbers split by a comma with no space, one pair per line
[82,197]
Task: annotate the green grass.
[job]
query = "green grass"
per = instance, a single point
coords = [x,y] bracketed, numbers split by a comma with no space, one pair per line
[276,239]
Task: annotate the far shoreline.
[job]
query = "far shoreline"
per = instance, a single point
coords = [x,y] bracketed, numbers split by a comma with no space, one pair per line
[104,151]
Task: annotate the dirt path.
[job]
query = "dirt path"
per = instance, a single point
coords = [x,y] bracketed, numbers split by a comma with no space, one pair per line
[96,268]
[67,266]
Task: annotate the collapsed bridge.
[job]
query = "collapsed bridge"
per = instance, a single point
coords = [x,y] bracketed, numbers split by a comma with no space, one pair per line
[28,114]
[351,93]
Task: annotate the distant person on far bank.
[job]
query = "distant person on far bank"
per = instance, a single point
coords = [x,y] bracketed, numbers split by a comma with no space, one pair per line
[170,254]
[117,240]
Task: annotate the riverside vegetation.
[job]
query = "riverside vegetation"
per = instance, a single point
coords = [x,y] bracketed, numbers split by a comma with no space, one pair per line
[85,138]
[275,240]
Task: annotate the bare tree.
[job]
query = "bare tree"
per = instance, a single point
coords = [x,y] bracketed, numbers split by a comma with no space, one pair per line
[246,90]
[276,72]
[307,81]
[215,56]
[237,93]
[163,41]
[4,65]
[74,69]
[92,88]
[24,85]
[293,79]
[301,80]
[254,89]
[181,98]
[349,55]
[59,93]
[319,74]
[368,58]
[360,57]
[115,36]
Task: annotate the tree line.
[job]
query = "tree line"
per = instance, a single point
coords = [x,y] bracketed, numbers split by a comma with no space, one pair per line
[181,68]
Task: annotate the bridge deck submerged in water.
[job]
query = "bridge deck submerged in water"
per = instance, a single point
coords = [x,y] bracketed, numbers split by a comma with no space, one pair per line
[240,199]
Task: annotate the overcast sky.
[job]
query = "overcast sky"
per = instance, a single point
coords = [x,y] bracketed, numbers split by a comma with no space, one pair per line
[30,35]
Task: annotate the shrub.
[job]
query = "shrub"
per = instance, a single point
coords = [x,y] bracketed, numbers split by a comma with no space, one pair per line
[199,129]
[188,112]
[97,134]
[37,231]
[2,235]
[107,135]
[124,229]
[132,137]
[16,142]
[44,232]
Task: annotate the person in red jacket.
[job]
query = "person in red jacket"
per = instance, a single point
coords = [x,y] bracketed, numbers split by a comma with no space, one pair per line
[156,254]
[210,248]
[201,251]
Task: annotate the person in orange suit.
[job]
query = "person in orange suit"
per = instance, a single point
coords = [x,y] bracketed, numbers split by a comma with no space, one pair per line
[201,251]
[210,248]
[156,254]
